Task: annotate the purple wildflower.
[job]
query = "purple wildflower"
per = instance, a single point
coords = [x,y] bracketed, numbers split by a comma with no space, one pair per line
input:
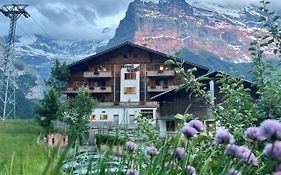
[180,152]
[277,173]
[189,131]
[231,149]
[224,137]
[270,129]
[233,172]
[243,153]
[273,150]
[196,124]
[131,146]
[152,151]
[190,170]
[252,133]
[132,172]
[249,157]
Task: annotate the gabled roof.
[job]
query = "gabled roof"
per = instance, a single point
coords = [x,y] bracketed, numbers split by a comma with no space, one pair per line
[135,46]
[215,73]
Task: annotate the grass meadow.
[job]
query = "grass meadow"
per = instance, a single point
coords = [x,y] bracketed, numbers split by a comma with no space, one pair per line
[20,152]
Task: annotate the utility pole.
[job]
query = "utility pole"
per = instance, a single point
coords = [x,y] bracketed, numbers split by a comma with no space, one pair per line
[7,67]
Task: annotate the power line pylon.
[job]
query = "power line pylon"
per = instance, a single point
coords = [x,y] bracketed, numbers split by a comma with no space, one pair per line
[7,67]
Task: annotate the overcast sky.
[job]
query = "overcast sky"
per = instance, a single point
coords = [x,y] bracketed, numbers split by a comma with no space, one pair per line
[83,19]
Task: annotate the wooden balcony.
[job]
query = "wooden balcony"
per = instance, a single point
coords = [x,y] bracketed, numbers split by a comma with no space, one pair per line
[71,90]
[159,88]
[106,74]
[165,73]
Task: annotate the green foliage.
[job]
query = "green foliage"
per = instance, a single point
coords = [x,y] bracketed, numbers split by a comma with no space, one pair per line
[236,102]
[110,140]
[146,130]
[48,109]
[59,76]
[76,111]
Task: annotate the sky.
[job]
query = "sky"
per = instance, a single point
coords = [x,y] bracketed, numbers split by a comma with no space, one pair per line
[83,19]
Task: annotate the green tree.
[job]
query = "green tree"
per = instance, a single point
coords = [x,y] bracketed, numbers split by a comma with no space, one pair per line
[76,112]
[48,109]
[59,76]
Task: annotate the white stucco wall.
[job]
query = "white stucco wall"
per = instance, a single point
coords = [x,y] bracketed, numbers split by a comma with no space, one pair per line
[125,114]
[130,83]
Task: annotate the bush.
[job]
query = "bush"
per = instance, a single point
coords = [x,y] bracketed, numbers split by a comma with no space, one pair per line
[110,140]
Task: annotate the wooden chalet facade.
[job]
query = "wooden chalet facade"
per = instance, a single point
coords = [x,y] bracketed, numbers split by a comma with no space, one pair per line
[172,103]
[125,80]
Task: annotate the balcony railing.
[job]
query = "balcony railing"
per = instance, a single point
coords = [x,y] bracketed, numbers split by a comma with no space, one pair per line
[91,90]
[106,74]
[159,88]
[164,73]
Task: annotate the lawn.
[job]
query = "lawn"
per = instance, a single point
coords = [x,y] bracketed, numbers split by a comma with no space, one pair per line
[19,142]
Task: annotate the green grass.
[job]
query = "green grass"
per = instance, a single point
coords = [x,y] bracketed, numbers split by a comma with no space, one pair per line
[20,138]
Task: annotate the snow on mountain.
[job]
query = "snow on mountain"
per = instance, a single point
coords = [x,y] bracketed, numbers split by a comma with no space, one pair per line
[40,52]
[173,25]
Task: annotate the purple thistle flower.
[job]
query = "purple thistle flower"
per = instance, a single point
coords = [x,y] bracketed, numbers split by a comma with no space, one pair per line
[273,150]
[252,133]
[224,137]
[277,173]
[152,151]
[190,170]
[132,172]
[188,131]
[233,172]
[180,152]
[131,146]
[196,124]
[270,129]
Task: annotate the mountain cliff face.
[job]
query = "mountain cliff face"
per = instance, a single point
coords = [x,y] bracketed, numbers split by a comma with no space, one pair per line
[173,25]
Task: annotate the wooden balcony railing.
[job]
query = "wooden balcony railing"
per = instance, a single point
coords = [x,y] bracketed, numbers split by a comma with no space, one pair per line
[106,74]
[159,88]
[91,90]
[165,73]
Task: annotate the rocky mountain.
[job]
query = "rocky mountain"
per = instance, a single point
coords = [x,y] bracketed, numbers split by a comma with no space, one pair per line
[201,31]
[39,52]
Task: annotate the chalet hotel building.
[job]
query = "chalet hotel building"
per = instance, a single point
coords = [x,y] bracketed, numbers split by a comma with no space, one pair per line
[129,79]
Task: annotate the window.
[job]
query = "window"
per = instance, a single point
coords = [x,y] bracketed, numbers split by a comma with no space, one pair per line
[129,90]
[132,116]
[147,113]
[92,117]
[102,69]
[130,76]
[170,125]
[103,117]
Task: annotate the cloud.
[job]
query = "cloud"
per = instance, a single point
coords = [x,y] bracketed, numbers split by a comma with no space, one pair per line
[84,19]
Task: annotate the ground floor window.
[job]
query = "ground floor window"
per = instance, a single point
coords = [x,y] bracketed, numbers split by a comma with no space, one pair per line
[147,113]
[103,117]
[92,117]
[171,125]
